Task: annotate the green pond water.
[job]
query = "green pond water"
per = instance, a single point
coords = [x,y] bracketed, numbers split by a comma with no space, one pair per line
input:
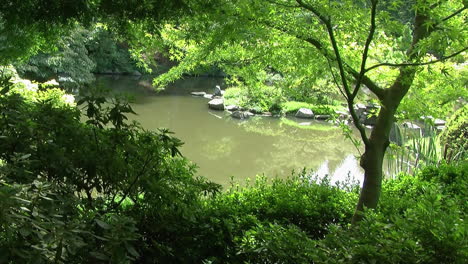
[223,147]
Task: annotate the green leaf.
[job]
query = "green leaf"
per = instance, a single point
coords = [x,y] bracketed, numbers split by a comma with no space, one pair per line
[102,224]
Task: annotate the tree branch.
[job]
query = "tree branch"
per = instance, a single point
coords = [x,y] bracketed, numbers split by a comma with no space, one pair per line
[416,63]
[323,18]
[337,56]
[366,49]
[454,14]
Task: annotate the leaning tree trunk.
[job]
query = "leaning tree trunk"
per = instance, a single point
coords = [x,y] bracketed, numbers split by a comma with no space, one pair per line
[372,159]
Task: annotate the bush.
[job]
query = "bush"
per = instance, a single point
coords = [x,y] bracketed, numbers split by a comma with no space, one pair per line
[63,182]
[454,137]
[274,243]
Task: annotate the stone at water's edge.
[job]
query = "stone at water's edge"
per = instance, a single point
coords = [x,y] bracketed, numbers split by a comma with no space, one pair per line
[322,117]
[439,122]
[217,91]
[241,115]
[216,104]
[198,93]
[232,107]
[208,96]
[411,125]
[305,113]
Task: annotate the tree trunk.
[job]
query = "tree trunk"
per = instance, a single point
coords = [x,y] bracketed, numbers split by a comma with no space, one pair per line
[372,162]
[372,159]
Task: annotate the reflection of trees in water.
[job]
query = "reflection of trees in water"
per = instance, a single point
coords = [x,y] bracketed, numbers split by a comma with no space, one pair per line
[220,148]
[295,148]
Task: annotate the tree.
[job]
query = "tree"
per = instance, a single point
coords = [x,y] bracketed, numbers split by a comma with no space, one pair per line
[30,26]
[380,45]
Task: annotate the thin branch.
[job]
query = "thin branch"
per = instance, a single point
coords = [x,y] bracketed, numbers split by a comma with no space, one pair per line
[378,91]
[339,61]
[137,177]
[454,14]
[366,49]
[416,63]
[335,80]
[323,18]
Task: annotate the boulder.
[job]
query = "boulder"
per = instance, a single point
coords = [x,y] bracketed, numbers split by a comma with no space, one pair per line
[216,104]
[305,113]
[322,117]
[241,115]
[342,115]
[360,109]
[410,125]
[217,91]
[208,96]
[369,120]
[255,111]
[232,107]
[198,93]
[439,122]
[248,114]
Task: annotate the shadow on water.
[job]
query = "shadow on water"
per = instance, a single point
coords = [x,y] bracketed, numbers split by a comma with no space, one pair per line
[223,147]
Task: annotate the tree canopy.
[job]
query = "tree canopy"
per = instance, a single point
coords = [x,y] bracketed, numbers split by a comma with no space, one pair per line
[385,46]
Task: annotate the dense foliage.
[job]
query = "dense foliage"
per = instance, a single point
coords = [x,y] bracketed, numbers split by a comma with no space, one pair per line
[105,191]
[454,138]
[79,55]
[97,189]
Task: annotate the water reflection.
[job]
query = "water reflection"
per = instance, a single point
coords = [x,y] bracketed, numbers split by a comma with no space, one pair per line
[224,147]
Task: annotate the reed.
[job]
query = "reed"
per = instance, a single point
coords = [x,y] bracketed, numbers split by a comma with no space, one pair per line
[415,149]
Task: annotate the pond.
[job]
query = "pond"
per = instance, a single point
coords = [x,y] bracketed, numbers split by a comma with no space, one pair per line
[224,147]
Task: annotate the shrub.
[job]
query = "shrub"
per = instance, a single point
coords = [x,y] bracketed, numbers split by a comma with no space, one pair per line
[274,243]
[454,137]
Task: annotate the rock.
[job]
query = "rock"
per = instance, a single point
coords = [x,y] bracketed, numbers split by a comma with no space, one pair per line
[216,104]
[255,111]
[267,114]
[372,106]
[198,93]
[322,117]
[208,96]
[248,114]
[231,108]
[342,115]
[217,91]
[238,115]
[427,118]
[369,120]
[439,122]
[305,113]
[241,115]
[305,124]
[360,109]
[410,125]
[136,73]
[440,128]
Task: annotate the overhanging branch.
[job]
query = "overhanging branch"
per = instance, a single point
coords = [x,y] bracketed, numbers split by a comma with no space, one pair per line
[416,63]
